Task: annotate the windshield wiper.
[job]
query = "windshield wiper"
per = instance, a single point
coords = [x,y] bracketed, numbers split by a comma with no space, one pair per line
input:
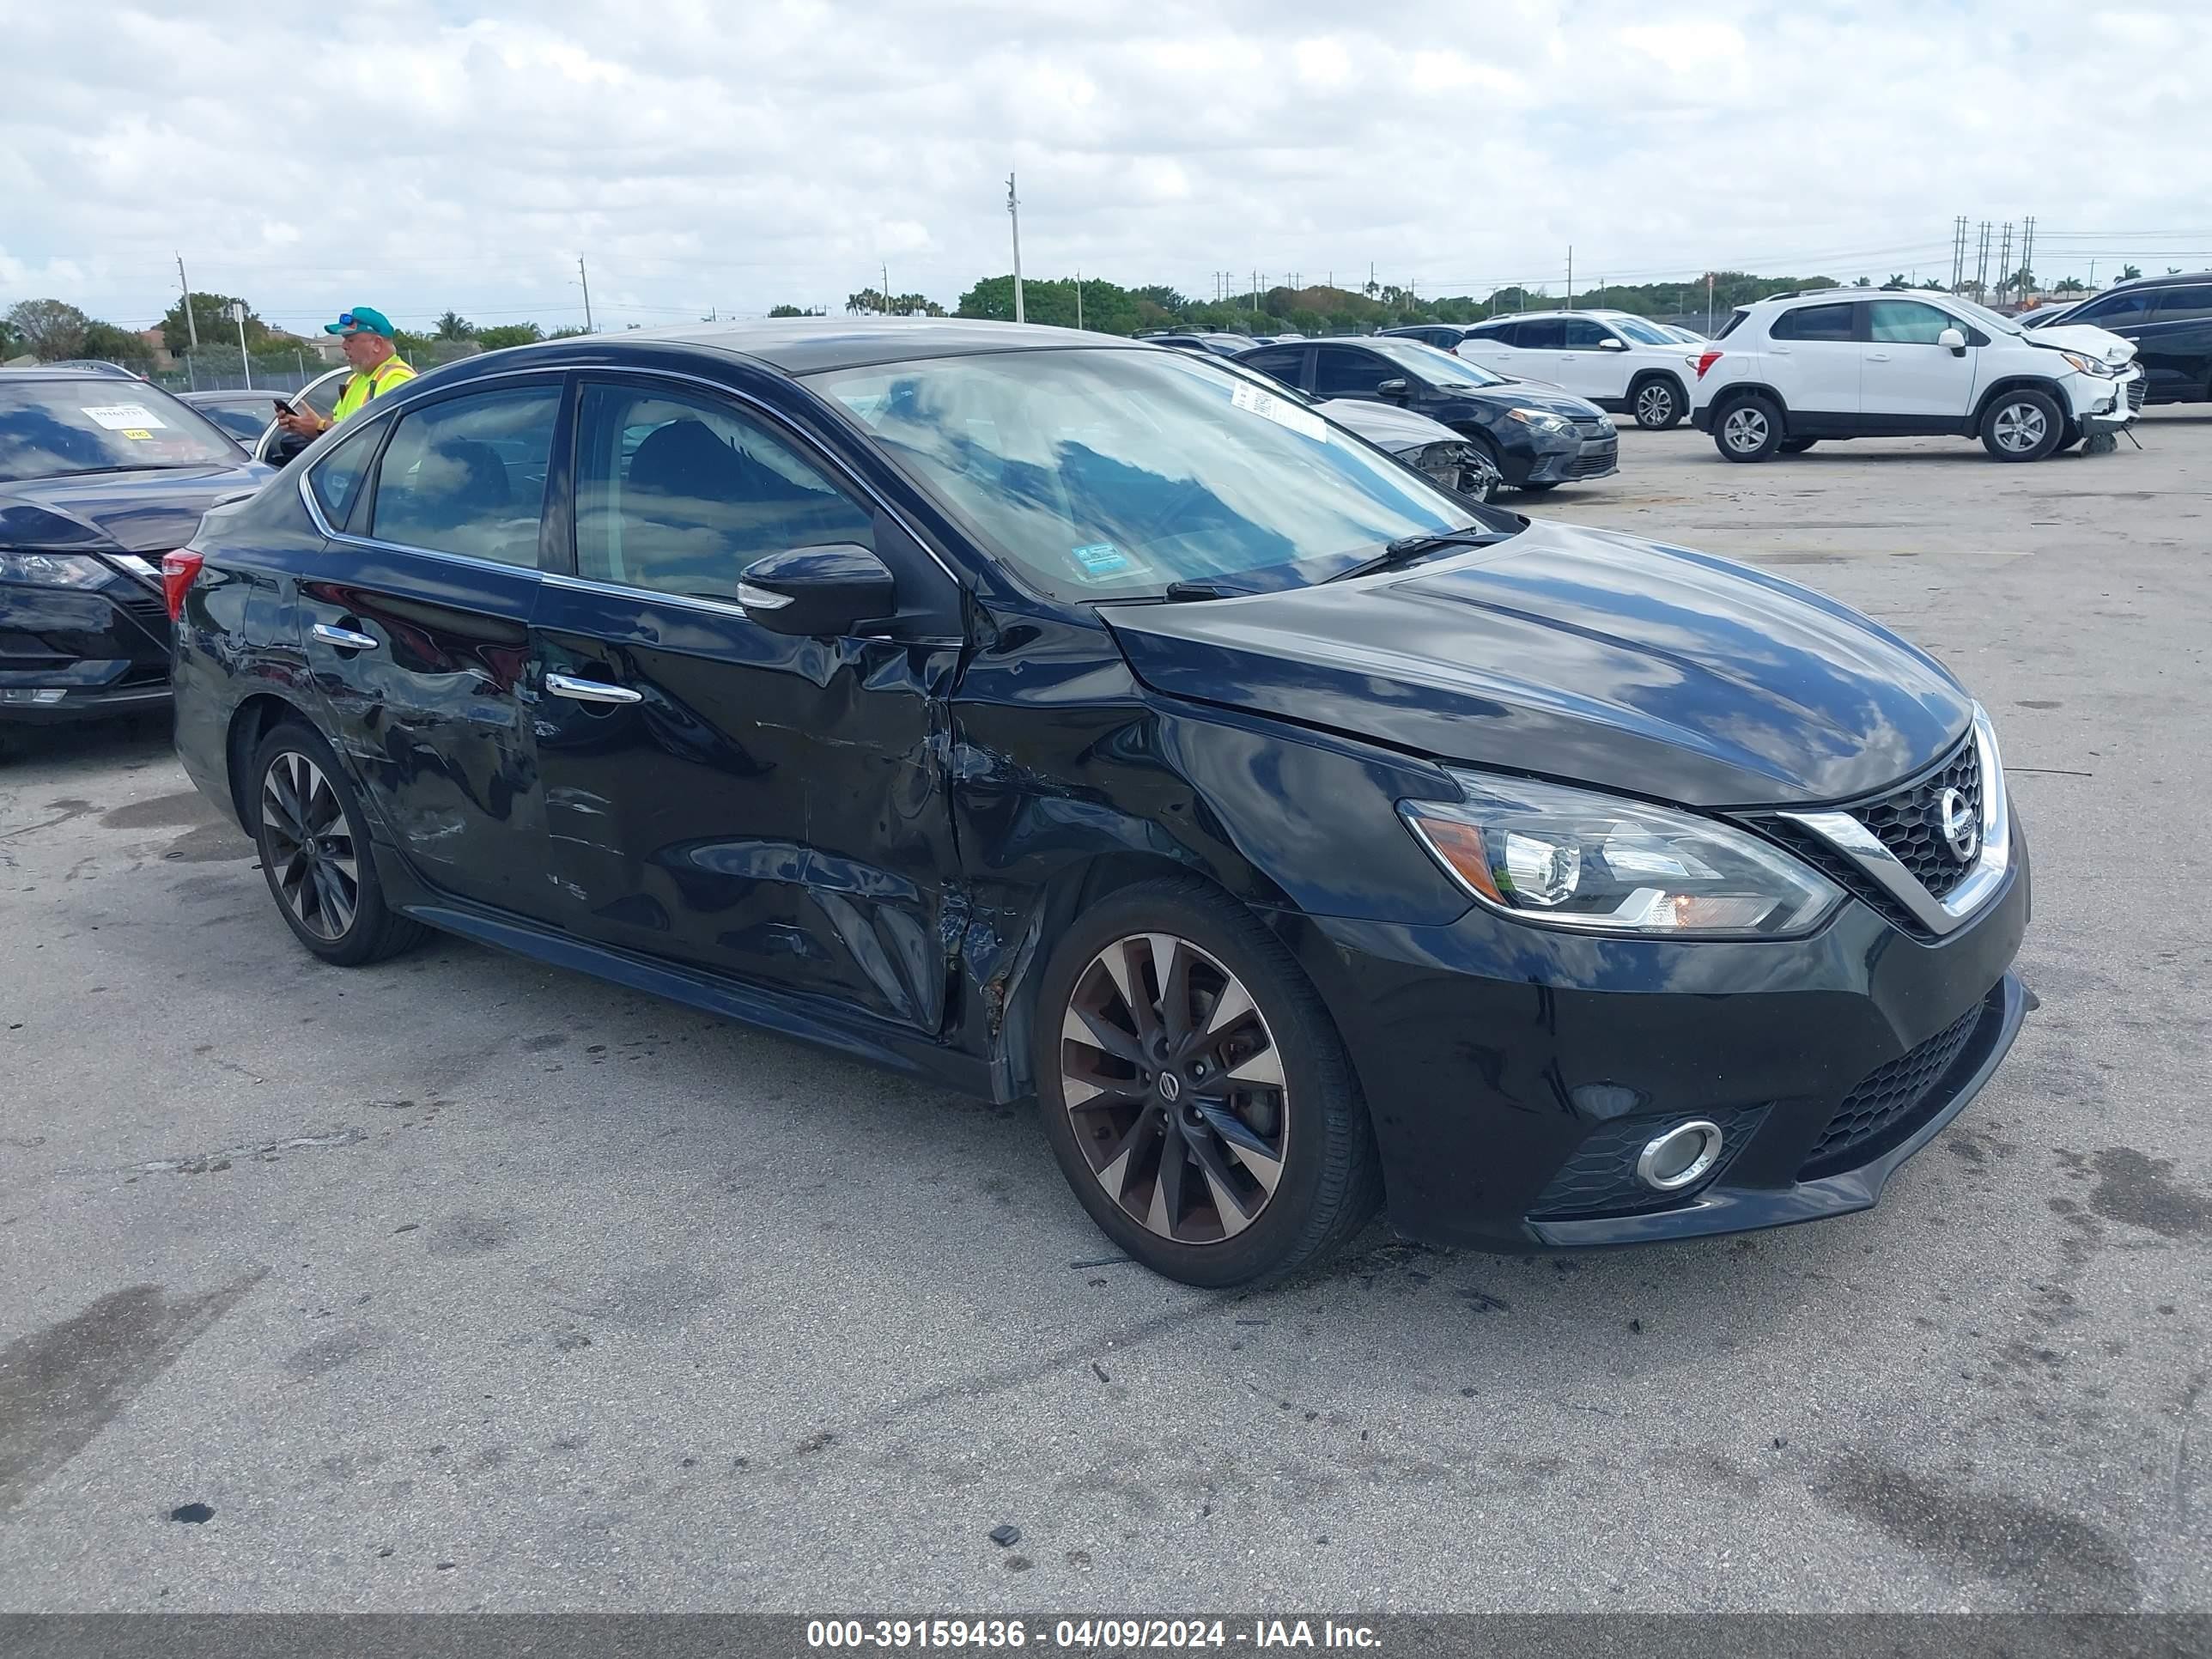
[1406,549]
[147,466]
[1176,591]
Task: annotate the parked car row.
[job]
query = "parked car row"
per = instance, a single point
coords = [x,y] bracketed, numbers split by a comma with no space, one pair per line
[1060,718]
[2168,320]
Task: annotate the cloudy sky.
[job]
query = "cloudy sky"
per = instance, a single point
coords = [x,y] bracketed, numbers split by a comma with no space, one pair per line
[422,154]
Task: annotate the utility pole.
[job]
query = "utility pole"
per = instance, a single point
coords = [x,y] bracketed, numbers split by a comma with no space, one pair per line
[1571,276]
[2027,245]
[887,288]
[585,277]
[1709,302]
[1957,252]
[1014,212]
[2004,263]
[1078,297]
[1982,263]
[192,323]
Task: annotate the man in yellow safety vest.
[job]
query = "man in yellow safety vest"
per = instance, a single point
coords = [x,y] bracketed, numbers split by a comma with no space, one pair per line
[365,335]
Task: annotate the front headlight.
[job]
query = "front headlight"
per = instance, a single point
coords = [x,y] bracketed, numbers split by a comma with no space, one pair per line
[2089,365]
[1569,857]
[53,569]
[1542,419]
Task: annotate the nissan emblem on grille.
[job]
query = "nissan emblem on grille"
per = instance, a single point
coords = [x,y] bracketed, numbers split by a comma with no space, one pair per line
[1962,825]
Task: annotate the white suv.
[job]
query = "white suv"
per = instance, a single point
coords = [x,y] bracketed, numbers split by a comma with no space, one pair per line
[1838,363]
[1615,359]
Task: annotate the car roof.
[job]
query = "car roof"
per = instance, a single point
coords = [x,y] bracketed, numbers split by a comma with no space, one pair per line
[48,372]
[801,345]
[2159,282]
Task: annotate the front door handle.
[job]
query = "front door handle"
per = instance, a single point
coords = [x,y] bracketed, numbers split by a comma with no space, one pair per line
[1877,356]
[565,685]
[344,638]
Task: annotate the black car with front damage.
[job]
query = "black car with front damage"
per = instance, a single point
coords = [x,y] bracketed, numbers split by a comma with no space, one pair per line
[1056,718]
[1537,437]
[98,479]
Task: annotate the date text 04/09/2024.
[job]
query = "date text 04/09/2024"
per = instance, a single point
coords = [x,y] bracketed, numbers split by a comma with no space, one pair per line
[1112,1633]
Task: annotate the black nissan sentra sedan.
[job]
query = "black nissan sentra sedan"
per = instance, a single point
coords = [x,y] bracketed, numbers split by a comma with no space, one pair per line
[1060,717]
[99,476]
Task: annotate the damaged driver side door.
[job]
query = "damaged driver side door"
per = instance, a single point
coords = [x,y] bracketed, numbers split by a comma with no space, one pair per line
[762,806]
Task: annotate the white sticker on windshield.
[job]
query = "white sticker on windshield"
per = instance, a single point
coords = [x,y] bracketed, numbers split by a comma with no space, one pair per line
[123,417]
[1268,407]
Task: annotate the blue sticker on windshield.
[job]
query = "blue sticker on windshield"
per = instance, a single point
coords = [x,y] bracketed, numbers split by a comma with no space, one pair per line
[1101,559]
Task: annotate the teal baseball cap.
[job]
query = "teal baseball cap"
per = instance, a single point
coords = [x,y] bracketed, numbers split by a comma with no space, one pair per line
[362,320]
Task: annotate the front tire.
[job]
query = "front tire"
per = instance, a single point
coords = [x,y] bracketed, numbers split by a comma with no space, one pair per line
[1658,403]
[2022,426]
[315,852]
[1195,1091]
[1748,429]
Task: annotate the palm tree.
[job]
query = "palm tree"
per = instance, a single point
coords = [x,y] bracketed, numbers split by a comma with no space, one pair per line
[2069,285]
[454,326]
[2129,273]
[1897,279]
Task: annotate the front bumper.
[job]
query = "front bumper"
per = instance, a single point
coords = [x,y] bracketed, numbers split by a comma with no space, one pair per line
[2107,405]
[1512,1072]
[70,653]
[1588,453]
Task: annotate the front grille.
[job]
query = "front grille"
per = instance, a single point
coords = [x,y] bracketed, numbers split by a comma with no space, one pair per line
[1591,462]
[2136,390]
[1600,1179]
[1892,1101]
[150,609]
[1595,431]
[1911,821]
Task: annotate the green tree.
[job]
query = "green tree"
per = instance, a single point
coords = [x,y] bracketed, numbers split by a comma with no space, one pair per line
[210,312]
[2129,273]
[454,326]
[49,329]
[111,344]
[503,335]
[787,311]
[2069,285]
[1898,279]
[1160,295]
[1863,282]
[571,332]
[11,343]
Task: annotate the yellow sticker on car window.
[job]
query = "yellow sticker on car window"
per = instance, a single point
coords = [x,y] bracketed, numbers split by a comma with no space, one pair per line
[137,432]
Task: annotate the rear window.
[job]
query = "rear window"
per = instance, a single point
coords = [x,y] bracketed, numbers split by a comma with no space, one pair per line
[1813,323]
[2185,304]
[1732,324]
[59,428]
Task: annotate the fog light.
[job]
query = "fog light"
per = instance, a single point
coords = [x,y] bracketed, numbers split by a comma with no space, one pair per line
[1682,1156]
[25,694]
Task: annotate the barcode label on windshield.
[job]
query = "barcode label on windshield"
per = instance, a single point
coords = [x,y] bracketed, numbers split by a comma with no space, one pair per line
[1305,422]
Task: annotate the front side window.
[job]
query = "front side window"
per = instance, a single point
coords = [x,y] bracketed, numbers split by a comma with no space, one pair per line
[1905,322]
[1432,364]
[1813,323]
[1105,473]
[2132,306]
[1348,372]
[679,494]
[59,428]
[1642,332]
[1581,334]
[467,476]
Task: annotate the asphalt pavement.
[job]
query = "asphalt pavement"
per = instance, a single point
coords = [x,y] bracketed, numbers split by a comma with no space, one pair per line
[463,1283]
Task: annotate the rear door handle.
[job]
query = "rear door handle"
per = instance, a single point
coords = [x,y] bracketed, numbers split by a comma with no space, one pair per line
[344,638]
[1877,356]
[565,685]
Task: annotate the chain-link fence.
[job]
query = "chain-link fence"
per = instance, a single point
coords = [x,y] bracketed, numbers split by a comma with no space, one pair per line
[281,368]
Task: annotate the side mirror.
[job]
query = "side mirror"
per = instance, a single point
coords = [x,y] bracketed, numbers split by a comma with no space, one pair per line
[1954,340]
[1612,343]
[1394,388]
[817,592]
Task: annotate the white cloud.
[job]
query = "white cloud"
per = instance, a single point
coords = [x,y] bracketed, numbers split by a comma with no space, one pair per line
[422,154]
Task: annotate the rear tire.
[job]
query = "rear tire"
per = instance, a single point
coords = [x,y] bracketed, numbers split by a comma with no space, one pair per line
[1658,402]
[2022,426]
[1795,446]
[1217,1151]
[315,852]
[1748,429]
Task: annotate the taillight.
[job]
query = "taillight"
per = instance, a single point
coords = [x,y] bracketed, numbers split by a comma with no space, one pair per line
[1705,360]
[178,571]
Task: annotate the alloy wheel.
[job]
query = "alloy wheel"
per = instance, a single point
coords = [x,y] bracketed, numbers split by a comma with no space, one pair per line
[1745,428]
[2021,427]
[1654,406]
[1173,1088]
[309,846]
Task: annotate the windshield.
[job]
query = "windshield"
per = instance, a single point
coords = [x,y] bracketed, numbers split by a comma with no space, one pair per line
[1107,473]
[1433,364]
[1642,332]
[1983,314]
[50,428]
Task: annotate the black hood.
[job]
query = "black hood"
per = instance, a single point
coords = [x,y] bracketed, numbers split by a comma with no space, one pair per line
[1522,394]
[148,511]
[1582,655]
